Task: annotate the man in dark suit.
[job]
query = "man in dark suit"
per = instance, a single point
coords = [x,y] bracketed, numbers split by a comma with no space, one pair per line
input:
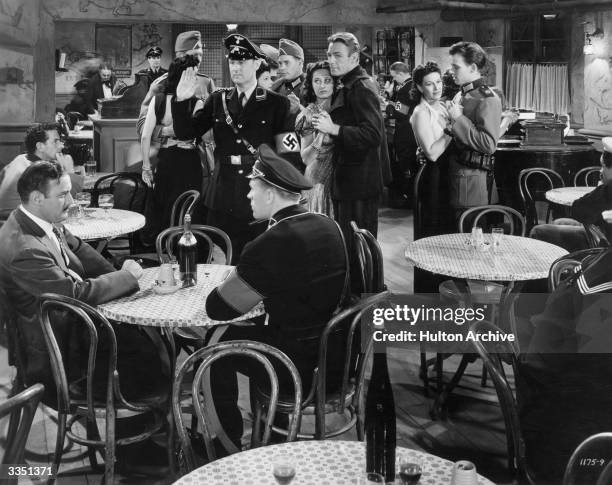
[154,70]
[297,268]
[242,118]
[101,84]
[38,255]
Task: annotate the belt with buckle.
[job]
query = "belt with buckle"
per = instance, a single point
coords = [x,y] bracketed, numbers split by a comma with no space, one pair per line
[237,160]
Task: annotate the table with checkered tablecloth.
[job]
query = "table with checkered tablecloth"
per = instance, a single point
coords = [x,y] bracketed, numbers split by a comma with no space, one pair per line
[97,224]
[327,462]
[567,195]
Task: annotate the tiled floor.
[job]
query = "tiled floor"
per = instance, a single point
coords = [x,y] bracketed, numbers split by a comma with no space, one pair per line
[473,431]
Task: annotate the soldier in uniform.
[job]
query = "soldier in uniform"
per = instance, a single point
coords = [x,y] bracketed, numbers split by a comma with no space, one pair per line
[291,73]
[155,70]
[242,118]
[271,59]
[298,268]
[475,115]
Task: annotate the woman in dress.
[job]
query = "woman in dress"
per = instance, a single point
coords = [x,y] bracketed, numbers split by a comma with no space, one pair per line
[178,168]
[316,146]
[429,120]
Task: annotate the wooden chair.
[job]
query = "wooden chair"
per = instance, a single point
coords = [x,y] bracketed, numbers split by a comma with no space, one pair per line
[369,256]
[258,351]
[587,176]
[564,266]
[209,234]
[474,215]
[21,408]
[348,398]
[493,354]
[533,184]
[597,451]
[184,204]
[74,405]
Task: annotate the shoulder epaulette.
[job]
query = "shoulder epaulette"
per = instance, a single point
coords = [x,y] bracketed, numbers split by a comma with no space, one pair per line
[486,91]
[260,94]
[222,90]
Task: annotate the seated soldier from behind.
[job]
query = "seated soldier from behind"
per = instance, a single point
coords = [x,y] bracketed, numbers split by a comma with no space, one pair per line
[80,103]
[564,381]
[297,268]
[570,233]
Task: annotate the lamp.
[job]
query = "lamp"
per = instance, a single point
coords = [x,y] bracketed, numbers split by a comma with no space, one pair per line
[588,45]
[231,27]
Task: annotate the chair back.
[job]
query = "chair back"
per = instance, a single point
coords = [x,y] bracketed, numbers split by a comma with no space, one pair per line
[472,216]
[564,266]
[370,259]
[21,408]
[533,184]
[209,234]
[201,393]
[129,190]
[184,204]
[492,353]
[417,202]
[588,460]
[587,176]
[595,236]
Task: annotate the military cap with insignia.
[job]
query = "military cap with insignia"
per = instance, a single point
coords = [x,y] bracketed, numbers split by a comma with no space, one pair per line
[287,47]
[154,52]
[271,54]
[278,172]
[187,41]
[240,48]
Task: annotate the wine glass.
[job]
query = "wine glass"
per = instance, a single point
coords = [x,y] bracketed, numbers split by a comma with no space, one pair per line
[283,471]
[410,469]
[106,202]
[83,200]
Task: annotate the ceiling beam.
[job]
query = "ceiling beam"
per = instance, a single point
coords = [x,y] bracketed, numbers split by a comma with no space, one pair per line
[496,8]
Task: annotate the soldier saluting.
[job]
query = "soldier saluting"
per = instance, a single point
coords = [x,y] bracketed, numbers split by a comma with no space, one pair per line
[242,118]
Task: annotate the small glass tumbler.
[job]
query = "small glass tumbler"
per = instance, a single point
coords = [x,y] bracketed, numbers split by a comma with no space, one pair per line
[497,233]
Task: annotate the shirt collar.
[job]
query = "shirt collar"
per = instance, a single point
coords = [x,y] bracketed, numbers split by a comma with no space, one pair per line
[248,92]
[286,212]
[32,157]
[44,225]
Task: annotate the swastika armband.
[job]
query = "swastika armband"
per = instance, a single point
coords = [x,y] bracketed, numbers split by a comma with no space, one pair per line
[287,142]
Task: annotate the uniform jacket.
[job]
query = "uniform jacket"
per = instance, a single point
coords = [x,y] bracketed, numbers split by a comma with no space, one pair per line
[358,149]
[95,90]
[588,208]
[151,75]
[478,128]
[264,115]
[31,264]
[297,268]
[286,88]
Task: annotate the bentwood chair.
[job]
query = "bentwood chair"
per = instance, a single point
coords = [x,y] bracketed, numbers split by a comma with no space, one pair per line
[533,185]
[589,460]
[210,235]
[200,362]
[564,267]
[184,204]
[21,408]
[75,398]
[587,176]
[343,399]
[370,259]
[595,236]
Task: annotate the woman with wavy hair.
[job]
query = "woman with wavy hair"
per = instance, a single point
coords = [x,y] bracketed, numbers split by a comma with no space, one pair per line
[317,147]
[429,120]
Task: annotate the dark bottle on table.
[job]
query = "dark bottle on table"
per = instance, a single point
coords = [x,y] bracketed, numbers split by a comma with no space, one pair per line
[187,254]
[380,422]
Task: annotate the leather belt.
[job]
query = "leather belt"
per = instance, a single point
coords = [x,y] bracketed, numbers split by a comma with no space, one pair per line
[185,144]
[237,160]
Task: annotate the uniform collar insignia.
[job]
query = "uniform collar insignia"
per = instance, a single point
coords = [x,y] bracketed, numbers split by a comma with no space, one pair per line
[473,85]
[238,39]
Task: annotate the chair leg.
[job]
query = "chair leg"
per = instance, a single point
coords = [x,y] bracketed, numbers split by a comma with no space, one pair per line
[59,445]
[483,379]
[424,373]
[438,409]
[256,431]
[109,450]
[172,463]
[440,372]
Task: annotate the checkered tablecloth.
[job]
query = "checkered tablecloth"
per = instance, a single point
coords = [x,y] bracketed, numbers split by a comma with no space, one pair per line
[567,195]
[317,463]
[517,258]
[95,224]
[184,308]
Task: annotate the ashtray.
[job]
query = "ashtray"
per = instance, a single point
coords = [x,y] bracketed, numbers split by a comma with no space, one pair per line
[165,290]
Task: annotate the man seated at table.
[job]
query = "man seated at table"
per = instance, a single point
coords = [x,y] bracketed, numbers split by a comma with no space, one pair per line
[570,233]
[42,142]
[297,268]
[564,381]
[38,255]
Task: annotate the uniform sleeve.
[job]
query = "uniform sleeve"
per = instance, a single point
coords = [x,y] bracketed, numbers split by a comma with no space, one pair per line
[365,133]
[188,127]
[482,133]
[588,208]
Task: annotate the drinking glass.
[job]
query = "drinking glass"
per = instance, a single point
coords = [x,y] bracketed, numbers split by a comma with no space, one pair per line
[370,478]
[90,168]
[283,471]
[477,239]
[73,214]
[497,234]
[83,199]
[106,202]
[409,469]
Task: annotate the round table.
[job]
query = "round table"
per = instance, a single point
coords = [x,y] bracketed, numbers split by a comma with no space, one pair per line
[96,225]
[184,308]
[567,195]
[517,259]
[327,462]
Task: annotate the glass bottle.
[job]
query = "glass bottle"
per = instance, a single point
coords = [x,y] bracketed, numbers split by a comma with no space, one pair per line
[187,255]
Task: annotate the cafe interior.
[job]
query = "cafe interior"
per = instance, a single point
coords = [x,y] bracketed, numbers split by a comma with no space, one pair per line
[460,416]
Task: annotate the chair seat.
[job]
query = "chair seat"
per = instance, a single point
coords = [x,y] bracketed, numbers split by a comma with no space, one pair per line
[285,405]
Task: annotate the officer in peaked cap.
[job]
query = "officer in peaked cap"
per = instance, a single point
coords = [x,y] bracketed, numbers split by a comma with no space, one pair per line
[154,70]
[290,71]
[297,268]
[271,54]
[242,118]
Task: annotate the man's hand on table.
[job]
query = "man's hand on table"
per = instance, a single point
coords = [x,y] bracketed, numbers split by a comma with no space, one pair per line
[133,267]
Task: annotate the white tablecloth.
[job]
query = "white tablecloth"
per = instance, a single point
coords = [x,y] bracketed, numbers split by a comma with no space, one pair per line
[317,463]
[517,259]
[184,308]
[567,195]
[96,226]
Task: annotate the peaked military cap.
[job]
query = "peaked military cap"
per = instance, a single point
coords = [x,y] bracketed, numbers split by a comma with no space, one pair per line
[240,48]
[270,52]
[275,170]
[154,52]
[186,41]
[287,47]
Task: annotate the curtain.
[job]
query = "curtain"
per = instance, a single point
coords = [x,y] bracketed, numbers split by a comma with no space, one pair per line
[519,85]
[550,89]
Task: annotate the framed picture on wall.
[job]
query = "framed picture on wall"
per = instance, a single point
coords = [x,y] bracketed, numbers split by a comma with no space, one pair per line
[114,45]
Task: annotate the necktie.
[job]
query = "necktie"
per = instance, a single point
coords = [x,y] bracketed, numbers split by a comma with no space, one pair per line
[58,235]
[242,99]
[107,83]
